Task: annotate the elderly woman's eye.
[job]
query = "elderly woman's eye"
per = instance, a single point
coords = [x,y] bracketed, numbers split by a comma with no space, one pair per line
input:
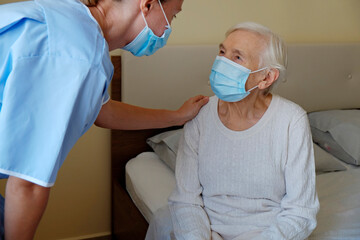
[238,58]
[221,52]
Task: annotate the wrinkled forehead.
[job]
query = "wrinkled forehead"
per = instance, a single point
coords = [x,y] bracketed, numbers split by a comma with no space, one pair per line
[249,42]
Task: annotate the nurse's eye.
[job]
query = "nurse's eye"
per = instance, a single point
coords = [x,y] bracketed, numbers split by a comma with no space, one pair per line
[175,16]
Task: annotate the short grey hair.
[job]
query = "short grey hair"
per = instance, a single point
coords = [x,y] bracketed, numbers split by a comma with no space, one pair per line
[274,54]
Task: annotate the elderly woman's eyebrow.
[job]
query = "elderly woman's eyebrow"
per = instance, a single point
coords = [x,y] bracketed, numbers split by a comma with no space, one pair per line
[234,50]
[237,51]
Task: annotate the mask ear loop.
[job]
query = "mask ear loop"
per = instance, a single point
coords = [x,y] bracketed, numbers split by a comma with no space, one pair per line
[142,14]
[259,70]
[164,14]
[255,72]
[252,88]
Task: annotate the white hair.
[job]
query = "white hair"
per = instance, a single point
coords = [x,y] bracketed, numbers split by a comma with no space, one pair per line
[274,54]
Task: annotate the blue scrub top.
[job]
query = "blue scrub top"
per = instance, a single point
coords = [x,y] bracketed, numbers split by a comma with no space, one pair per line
[54,73]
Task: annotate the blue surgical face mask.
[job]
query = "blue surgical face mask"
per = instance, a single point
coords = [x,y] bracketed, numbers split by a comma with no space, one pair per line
[228,79]
[147,43]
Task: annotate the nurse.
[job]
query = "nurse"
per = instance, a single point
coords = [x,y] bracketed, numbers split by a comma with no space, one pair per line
[55,70]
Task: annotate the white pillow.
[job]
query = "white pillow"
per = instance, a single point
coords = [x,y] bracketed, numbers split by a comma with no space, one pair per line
[165,145]
[344,128]
[325,162]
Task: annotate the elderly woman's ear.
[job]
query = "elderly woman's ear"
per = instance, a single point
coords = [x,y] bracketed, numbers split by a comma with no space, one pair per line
[270,77]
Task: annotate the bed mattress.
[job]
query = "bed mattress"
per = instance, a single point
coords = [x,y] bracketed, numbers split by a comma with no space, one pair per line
[150,182]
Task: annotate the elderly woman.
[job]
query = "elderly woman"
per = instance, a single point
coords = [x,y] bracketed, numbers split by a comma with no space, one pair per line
[55,70]
[245,166]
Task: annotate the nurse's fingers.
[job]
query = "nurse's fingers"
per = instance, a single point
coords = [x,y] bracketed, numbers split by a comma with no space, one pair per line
[192,107]
[200,99]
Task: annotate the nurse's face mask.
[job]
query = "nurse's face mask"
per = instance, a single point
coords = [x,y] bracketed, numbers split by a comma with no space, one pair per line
[147,43]
[228,79]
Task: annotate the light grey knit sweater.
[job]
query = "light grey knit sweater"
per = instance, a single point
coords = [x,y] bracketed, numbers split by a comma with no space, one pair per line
[252,184]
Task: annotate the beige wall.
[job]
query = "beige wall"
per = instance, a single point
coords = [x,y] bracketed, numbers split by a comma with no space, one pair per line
[80,201]
[205,21]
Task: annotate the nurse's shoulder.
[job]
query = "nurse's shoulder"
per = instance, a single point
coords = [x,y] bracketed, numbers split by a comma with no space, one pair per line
[72,31]
[12,13]
[22,31]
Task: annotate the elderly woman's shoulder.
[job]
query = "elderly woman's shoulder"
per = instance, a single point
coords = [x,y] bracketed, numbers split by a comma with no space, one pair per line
[288,107]
[208,108]
[213,100]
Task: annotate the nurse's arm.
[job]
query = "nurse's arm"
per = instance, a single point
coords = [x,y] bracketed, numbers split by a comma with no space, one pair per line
[119,115]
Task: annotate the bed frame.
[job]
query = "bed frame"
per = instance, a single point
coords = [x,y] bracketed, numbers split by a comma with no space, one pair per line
[316,73]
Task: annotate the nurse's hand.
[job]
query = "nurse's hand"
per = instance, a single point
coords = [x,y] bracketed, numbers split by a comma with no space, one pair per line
[191,108]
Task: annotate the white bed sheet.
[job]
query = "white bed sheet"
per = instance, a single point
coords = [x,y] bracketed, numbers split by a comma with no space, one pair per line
[150,182]
[339,196]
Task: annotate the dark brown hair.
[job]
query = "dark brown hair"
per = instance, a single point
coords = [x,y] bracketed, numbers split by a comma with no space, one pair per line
[92,3]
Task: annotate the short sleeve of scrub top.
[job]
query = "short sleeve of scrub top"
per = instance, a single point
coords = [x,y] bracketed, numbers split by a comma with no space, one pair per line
[54,73]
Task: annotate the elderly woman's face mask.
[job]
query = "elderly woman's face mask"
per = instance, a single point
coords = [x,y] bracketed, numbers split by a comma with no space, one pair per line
[228,79]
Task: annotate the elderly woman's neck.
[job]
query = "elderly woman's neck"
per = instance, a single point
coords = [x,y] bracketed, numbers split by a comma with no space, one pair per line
[252,107]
